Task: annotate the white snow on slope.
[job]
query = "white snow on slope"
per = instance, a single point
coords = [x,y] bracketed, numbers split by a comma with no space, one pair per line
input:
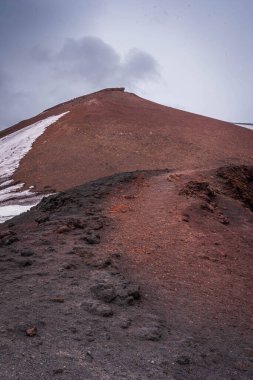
[9,211]
[14,194]
[13,148]
[10,189]
[6,183]
[248,126]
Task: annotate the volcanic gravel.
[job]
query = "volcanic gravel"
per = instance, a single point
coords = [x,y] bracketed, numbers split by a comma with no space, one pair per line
[142,275]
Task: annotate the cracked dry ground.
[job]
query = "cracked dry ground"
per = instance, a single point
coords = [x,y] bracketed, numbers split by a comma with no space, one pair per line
[141,275]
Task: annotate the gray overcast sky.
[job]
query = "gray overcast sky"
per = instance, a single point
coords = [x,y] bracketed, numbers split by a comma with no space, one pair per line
[195,55]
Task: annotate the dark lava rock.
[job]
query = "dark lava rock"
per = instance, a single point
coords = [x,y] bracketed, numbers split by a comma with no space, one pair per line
[53,203]
[104,292]
[127,294]
[238,182]
[10,240]
[92,239]
[125,323]
[42,219]
[25,263]
[186,218]
[183,360]
[69,266]
[109,288]
[223,219]
[26,253]
[208,207]
[62,229]
[31,331]
[7,238]
[57,300]
[6,233]
[151,332]
[75,223]
[97,308]
[198,189]
[105,263]
[58,371]
[97,225]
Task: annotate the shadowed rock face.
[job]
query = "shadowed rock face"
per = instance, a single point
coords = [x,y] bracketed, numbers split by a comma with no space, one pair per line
[239,183]
[113,131]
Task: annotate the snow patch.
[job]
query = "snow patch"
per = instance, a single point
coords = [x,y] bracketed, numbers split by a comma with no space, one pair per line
[17,144]
[13,148]
[6,183]
[248,126]
[9,211]
[10,189]
[13,194]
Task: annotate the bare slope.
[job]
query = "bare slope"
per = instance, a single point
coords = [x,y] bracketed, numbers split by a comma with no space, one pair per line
[138,276]
[113,131]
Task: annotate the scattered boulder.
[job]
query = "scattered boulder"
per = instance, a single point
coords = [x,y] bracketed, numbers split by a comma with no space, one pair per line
[57,299]
[125,323]
[223,219]
[197,189]
[58,371]
[69,266]
[104,292]
[42,219]
[92,239]
[26,253]
[207,206]
[62,229]
[238,183]
[7,237]
[6,233]
[183,360]
[25,263]
[186,218]
[240,365]
[152,332]
[31,331]
[75,223]
[114,289]
[97,308]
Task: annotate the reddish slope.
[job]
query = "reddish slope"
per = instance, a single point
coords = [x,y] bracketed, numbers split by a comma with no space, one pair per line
[113,131]
[71,270]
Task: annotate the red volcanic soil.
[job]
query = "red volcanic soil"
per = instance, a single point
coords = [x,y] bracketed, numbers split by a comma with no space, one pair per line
[143,275]
[113,131]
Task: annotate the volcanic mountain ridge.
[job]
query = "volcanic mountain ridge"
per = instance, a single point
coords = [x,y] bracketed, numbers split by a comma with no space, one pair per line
[141,275]
[113,131]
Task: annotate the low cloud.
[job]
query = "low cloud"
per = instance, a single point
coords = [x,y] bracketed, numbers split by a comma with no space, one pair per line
[15,104]
[97,64]
[89,59]
[80,66]
[139,66]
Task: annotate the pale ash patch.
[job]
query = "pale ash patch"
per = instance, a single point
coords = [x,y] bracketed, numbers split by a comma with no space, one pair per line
[12,149]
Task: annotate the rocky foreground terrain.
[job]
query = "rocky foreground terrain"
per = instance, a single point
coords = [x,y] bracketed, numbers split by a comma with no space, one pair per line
[143,275]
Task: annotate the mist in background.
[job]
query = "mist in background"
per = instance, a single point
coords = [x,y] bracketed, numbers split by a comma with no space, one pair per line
[196,55]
